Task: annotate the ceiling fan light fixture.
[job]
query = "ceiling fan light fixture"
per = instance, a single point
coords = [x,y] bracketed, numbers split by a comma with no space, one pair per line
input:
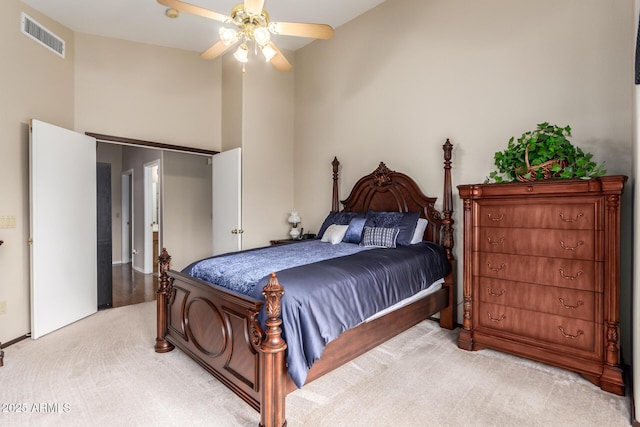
[228,36]
[242,54]
[261,36]
[268,52]
[253,27]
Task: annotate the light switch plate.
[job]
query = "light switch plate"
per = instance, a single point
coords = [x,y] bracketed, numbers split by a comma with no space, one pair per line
[7,221]
[3,307]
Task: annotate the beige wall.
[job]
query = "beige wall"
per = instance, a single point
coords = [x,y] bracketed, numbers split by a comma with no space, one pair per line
[267,153]
[393,84]
[258,116]
[186,206]
[146,92]
[232,101]
[36,83]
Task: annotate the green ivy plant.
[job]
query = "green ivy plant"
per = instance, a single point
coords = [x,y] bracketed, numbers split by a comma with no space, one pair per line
[546,142]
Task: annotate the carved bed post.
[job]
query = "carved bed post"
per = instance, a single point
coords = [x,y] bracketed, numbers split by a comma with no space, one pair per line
[165,287]
[272,375]
[448,316]
[335,200]
[447,202]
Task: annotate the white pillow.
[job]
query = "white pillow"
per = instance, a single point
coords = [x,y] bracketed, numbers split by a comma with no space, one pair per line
[419,231]
[334,233]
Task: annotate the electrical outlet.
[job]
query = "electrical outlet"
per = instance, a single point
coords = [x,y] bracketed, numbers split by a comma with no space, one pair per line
[3,307]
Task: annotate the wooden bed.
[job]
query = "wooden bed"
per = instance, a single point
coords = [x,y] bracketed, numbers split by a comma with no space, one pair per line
[219,328]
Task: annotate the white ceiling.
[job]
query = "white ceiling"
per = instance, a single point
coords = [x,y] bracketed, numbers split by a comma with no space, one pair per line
[144,20]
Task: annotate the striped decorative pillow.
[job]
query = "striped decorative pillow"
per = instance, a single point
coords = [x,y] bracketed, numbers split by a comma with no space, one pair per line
[380,237]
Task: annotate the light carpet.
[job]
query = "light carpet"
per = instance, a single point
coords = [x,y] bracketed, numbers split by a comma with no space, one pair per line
[102,371]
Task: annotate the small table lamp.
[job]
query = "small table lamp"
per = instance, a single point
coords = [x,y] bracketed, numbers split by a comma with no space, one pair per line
[294,220]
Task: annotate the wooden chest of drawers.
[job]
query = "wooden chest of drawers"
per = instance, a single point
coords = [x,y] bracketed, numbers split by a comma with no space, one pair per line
[541,273]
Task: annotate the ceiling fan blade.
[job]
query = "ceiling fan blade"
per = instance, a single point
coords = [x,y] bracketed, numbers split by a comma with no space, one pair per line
[253,7]
[279,61]
[314,31]
[215,50]
[194,10]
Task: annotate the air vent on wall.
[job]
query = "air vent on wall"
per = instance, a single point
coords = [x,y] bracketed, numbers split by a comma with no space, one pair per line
[37,32]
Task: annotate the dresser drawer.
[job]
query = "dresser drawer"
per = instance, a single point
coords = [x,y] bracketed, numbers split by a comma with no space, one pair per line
[561,272]
[569,332]
[572,244]
[578,304]
[578,216]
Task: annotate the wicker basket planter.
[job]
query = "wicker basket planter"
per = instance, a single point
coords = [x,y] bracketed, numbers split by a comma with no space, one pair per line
[531,173]
[544,153]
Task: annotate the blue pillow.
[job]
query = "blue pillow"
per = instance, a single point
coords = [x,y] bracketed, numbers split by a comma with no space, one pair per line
[405,222]
[354,232]
[327,222]
[339,218]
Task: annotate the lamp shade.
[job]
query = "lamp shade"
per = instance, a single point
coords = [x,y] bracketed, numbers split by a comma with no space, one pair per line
[294,218]
[228,36]
[242,54]
[261,35]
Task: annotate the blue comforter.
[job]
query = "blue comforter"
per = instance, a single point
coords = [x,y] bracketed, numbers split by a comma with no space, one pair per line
[326,296]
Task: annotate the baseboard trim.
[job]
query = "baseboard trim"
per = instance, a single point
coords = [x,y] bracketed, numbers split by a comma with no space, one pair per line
[13,341]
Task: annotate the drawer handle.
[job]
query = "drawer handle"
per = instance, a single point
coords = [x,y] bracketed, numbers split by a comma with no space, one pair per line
[564,276]
[493,294]
[580,214]
[578,304]
[496,268]
[500,218]
[499,319]
[566,335]
[499,242]
[571,248]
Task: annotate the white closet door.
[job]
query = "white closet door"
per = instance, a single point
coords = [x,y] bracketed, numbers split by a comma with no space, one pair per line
[227,201]
[62,166]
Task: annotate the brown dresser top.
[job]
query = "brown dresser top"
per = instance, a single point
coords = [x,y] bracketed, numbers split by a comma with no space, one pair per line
[612,184]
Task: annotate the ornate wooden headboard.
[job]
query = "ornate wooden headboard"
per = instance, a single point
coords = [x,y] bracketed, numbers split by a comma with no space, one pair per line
[388,190]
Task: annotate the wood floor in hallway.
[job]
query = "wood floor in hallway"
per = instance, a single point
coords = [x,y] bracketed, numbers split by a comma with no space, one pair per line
[131,286]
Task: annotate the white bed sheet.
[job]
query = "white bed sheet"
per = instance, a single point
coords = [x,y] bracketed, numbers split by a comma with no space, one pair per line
[435,287]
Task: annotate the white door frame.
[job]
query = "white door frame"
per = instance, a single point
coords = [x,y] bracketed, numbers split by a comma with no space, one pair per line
[127,216]
[148,213]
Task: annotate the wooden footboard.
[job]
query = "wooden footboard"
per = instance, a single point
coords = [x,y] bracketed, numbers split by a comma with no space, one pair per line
[219,330]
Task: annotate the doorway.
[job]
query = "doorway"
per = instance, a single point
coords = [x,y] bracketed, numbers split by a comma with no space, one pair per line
[151,215]
[169,169]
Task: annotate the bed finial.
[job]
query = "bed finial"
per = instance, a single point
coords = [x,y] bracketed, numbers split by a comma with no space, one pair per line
[165,287]
[272,398]
[382,175]
[335,201]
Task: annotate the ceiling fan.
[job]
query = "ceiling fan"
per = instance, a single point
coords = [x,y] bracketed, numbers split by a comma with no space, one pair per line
[253,26]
